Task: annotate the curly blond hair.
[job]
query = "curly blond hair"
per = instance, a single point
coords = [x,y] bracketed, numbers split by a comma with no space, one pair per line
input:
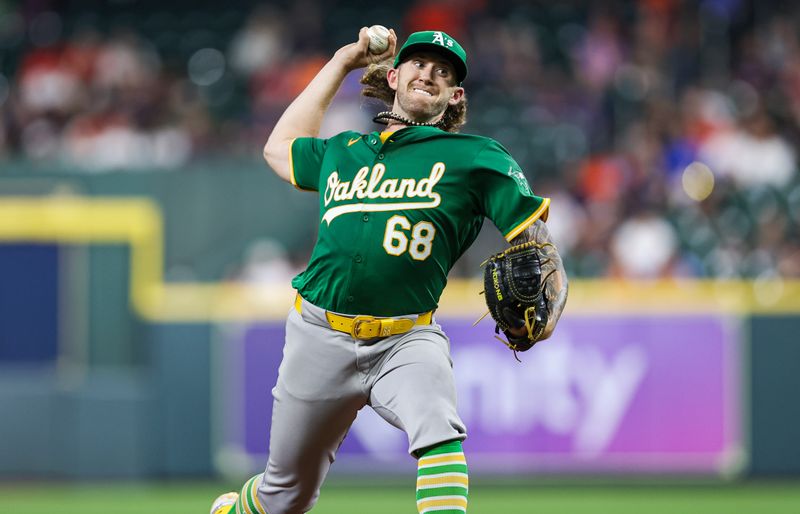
[376,86]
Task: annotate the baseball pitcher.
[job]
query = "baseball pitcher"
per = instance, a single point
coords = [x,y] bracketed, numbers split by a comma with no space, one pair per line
[397,208]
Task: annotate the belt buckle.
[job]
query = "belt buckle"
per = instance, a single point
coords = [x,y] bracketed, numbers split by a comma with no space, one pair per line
[357,322]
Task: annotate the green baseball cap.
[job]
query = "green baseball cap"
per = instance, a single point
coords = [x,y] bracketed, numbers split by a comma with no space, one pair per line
[439,42]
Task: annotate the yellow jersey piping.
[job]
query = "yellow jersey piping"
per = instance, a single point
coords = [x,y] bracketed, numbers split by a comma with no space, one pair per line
[291,168]
[541,212]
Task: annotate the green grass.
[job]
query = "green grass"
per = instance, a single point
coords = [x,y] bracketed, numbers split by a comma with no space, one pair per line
[619,498]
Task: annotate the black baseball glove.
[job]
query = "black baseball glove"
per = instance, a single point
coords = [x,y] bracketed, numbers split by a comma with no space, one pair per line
[515,294]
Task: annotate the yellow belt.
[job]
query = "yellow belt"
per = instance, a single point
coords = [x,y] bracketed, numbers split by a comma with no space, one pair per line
[367,327]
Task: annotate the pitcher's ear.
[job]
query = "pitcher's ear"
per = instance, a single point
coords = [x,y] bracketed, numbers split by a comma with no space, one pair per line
[391,78]
[458,94]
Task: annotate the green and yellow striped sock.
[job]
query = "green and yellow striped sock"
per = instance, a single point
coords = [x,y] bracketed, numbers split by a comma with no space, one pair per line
[248,498]
[442,480]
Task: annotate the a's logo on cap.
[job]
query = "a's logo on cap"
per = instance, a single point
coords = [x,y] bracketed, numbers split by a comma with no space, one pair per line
[438,38]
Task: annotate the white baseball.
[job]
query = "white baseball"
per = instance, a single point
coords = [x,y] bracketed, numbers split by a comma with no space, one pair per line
[378,39]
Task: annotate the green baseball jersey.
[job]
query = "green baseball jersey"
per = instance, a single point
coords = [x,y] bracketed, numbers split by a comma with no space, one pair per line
[395,216]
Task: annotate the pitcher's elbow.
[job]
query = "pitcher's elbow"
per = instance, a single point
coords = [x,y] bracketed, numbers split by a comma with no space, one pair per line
[277,160]
[268,152]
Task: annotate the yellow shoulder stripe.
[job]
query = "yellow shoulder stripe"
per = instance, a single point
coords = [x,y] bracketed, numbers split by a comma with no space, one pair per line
[292,178]
[291,163]
[541,212]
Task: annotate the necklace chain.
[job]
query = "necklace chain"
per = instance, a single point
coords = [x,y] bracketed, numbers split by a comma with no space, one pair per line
[385,116]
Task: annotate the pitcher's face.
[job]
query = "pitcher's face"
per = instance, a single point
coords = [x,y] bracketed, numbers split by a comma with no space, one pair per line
[425,84]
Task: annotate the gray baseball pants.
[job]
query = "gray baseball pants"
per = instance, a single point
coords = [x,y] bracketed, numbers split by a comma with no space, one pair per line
[327,376]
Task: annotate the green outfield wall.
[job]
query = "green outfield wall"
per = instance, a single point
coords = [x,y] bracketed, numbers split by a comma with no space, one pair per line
[774,367]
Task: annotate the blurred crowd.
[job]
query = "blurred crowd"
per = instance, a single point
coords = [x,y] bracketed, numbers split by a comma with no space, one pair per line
[665,131]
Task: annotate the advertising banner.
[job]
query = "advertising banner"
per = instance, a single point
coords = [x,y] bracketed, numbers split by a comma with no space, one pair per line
[624,394]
